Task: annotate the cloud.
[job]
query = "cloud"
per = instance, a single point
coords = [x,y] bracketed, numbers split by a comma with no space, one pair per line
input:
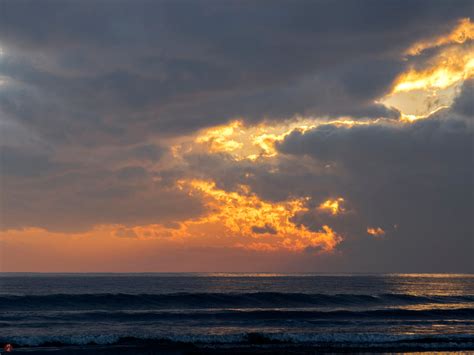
[100,74]
[132,173]
[18,162]
[266,229]
[416,176]
[464,103]
[102,107]
[147,152]
[125,233]
[375,231]
[80,197]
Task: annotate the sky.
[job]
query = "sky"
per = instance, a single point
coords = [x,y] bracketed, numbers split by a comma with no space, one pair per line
[279,136]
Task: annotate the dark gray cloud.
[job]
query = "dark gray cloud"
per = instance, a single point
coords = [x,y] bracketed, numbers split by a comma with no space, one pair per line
[274,181]
[147,152]
[77,198]
[413,180]
[102,73]
[20,163]
[266,229]
[464,103]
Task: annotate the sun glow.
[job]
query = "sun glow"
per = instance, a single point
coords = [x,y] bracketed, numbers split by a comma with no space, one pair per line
[219,139]
[258,141]
[431,85]
[412,118]
[449,67]
[249,142]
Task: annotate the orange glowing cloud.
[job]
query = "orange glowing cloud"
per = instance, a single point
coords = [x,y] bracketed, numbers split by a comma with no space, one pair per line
[237,219]
[463,32]
[332,206]
[219,139]
[253,142]
[244,215]
[375,231]
[249,142]
[449,67]
[427,88]
[258,246]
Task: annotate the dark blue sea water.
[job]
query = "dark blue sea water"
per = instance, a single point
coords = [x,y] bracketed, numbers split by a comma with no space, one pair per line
[396,312]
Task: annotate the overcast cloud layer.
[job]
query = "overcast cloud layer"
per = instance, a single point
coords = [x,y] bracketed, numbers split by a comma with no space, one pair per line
[94,96]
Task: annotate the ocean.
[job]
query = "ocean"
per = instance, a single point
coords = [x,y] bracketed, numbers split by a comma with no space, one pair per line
[236,313]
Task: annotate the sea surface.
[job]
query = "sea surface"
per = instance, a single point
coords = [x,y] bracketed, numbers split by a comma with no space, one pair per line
[232,313]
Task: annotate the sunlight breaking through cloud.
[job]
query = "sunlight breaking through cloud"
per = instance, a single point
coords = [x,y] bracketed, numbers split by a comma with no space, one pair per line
[424,89]
[463,32]
[333,206]
[244,214]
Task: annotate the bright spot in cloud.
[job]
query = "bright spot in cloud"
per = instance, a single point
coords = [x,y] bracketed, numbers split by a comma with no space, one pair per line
[219,139]
[249,142]
[333,206]
[238,219]
[463,32]
[449,67]
[244,216]
[427,88]
[375,231]
[254,142]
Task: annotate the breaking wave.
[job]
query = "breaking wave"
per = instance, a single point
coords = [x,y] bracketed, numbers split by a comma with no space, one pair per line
[216,300]
[361,340]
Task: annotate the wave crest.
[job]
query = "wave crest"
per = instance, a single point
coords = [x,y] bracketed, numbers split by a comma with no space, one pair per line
[215,300]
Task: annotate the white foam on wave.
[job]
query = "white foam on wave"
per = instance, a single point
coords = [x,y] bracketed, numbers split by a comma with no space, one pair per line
[62,339]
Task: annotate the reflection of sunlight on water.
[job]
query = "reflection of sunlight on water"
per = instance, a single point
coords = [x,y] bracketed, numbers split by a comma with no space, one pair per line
[246,274]
[324,274]
[431,306]
[444,327]
[437,276]
[430,284]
